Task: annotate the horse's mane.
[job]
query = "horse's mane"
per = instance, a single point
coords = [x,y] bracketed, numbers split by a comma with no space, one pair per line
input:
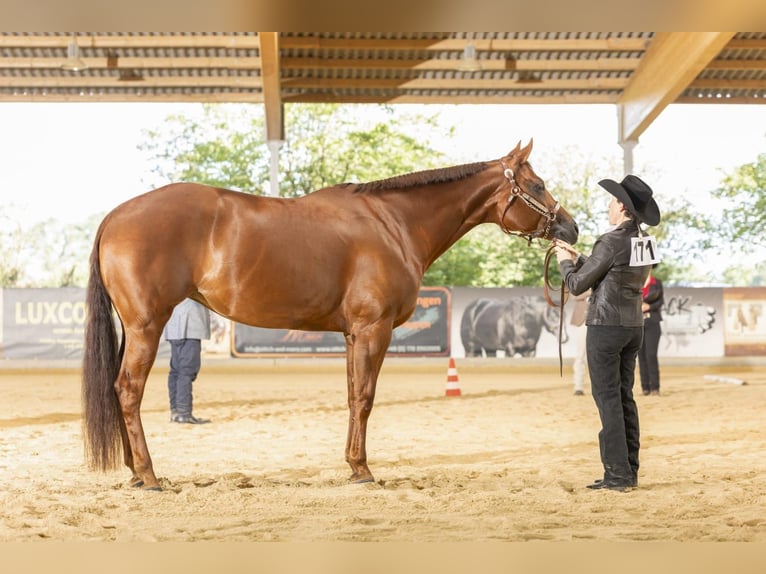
[439,175]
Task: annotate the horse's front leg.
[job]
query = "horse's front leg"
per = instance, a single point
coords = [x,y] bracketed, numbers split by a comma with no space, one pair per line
[365,351]
[130,386]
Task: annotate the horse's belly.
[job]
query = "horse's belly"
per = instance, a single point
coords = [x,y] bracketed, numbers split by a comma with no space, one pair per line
[276,308]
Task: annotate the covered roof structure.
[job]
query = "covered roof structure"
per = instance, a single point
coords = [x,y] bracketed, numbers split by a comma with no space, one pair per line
[640,72]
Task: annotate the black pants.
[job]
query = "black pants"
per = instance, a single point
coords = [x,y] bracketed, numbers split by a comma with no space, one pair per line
[612,355]
[185,363]
[648,365]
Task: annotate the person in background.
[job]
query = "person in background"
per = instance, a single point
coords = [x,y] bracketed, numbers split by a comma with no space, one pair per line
[615,323]
[579,331]
[187,327]
[648,363]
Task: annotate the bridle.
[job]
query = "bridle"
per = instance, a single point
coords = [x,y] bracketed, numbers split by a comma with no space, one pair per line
[532,203]
[550,217]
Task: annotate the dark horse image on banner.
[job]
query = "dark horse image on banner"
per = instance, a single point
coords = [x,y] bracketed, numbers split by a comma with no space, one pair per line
[513,326]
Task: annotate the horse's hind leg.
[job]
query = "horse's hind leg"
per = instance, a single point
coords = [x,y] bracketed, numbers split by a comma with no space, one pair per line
[128,454]
[140,351]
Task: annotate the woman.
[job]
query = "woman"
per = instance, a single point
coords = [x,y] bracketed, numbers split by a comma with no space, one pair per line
[615,323]
[648,363]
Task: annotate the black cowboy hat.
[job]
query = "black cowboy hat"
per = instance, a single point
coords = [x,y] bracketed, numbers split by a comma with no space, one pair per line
[636,196]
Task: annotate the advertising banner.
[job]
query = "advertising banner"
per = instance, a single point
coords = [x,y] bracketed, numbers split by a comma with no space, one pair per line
[745,323]
[692,322]
[43,323]
[518,322]
[499,322]
[425,334]
[488,322]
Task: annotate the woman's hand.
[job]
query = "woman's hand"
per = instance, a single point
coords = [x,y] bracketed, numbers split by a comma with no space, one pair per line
[564,251]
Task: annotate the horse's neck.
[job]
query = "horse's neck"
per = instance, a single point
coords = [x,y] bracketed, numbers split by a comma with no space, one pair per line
[453,209]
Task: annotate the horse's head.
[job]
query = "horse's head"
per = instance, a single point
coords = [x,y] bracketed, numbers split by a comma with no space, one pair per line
[525,207]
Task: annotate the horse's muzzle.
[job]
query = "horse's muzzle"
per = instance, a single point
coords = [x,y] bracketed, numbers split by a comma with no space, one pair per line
[566,230]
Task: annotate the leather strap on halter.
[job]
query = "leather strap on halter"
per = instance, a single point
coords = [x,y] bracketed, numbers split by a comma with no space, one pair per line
[547,288]
[532,203]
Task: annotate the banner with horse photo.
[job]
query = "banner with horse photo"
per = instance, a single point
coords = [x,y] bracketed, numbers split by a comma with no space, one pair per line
[499,322]
[424,334]
[518,322]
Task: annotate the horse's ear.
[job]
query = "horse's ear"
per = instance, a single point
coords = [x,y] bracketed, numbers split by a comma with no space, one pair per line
[525,152]
[515,150]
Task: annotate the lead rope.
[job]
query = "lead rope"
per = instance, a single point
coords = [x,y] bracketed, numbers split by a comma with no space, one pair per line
[547,288]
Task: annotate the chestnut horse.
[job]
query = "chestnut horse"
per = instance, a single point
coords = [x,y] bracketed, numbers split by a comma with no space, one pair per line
[347,258]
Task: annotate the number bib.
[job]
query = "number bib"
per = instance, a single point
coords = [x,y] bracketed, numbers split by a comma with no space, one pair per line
[643,251]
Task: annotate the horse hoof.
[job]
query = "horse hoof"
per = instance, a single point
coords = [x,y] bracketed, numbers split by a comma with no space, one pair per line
[356,480]
[138,484]
[153,488]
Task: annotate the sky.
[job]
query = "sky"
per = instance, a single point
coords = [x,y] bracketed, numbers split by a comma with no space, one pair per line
[68,161]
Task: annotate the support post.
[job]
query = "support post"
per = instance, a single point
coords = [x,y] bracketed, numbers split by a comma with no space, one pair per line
[274,146]
[627,155]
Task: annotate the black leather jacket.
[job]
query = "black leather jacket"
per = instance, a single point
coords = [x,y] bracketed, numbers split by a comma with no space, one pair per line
[617,287]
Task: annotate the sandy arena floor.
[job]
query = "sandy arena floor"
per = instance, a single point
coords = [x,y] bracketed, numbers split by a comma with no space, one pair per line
[506,461]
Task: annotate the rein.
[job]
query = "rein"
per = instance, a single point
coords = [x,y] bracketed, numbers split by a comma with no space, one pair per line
[547,288]
[532,203]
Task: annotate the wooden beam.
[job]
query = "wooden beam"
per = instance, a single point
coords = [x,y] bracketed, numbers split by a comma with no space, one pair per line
[321,97]
[146,96]
[232,41]
[251,41]
[257,98]
[147,62]
[672,61]
[454,84]
[722,84]
[235,82]
[443,64]
[599,64]
[747,44]
[272,97]
[754,99]
[721,64]
[458,44]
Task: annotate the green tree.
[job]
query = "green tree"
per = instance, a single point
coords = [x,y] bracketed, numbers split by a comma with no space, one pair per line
[45,254]
[685,233]
[223,147]
[12,241]
[743,216]
[326,144]
[329,144]
[65,251]
[746,275]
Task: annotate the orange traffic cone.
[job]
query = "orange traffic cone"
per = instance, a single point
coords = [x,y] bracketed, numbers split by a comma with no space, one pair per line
[453,387]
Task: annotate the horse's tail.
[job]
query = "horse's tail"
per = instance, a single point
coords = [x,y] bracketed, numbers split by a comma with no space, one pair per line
[100,367]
